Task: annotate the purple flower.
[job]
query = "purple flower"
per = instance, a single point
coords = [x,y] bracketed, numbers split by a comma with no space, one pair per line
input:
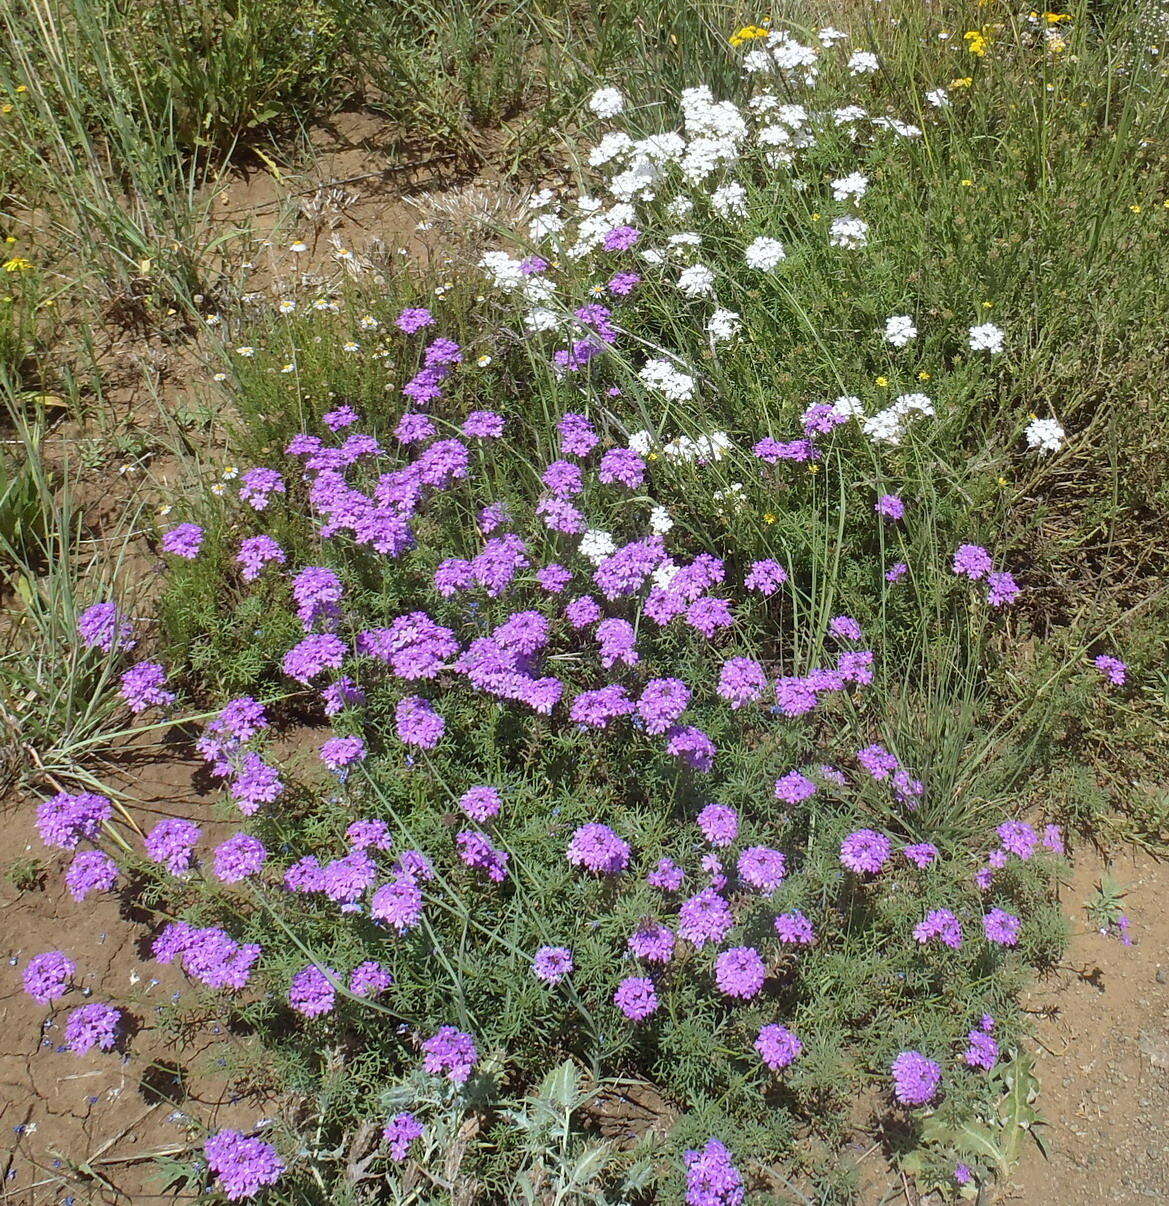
[719,824]
[705,917]
[770,450]
[596,709]
[361,835]
[340,752]
[877,761]
[561,516]
[256,783]
[553,578]
[940,924]
[765,577]
[794,696]
[708,615]
[369,979]
[93,1025]
[711,1177]
[343,416]
[483,425]
[982,1050]
[480,803]
[621,238]
[241,1165]
[47,976]
[962,1174]
[310,993]
[562,479]
[450,1052]
[855,666]
[477,852]
[582,611]
[239,857]
[172,843]
[921,855]
[897,572]
[845,627]
[414,428]
[90,871]
[662,701]
[417,723]
[915,1078]
[762,868]
[652,942]
[1018,838]
[143,687]
[636,998]
[1001,927]
[739,972]
[65,821]
[795,929]
[621,284]
[822,418]
[625,571]
[623,466]
[317,592]
[577,437]
[865,852]
[552,964]
[258,485]
[400,1132]
[398,904]
[741,681]
[692,746]
[599,849]
[666,876]
[1112,668]
[778,1047]
[1003,589]
[254,553]
[889,506]
[313,656]
[972,561]
[454,574]
[617,638]
[413,319]
[183,541]
[103,627]
[209,955]
[793,788]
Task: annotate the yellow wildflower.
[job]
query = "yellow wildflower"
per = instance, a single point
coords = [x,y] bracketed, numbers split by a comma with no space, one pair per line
[17,264]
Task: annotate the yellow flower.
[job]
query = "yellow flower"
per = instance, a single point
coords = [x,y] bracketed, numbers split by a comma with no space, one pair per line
[923,375]
[967,183]
[813,468]
[976,42]
[1136,209]
[988,305]
[882,381]
[769,518]
[1002,481]
[964,82]
[815,217]
[746,34]
[1056,18]
[17,264]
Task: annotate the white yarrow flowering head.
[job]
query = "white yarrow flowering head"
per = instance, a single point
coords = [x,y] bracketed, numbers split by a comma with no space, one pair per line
[596,545]
[849,233]
[696,281]
[641,442]
[662,377]
[764,254]
[863,62]
[852,186]
[659,521]
[723,324]
[606,102]
[1045,435]
[986,337]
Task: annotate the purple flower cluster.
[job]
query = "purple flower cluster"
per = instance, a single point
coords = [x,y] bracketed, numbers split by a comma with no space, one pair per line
[778,1047]
[47,976]
[865,852]
[450,1053]
[636,998]
[311,992]
[208,955]
[740,972]
[915,1078]
[400,1132]
[93,1025]
[597,848]
[552,964]
[65,820]
[143,686]
[172,843]
[712,1178]
[184,541]
[90,871]
[242,1165]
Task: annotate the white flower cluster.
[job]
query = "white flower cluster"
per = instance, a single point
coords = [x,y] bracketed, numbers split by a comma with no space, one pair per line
[888,426]
[1045,435]
[987,338]
[764,254]
[849,233]
[662,377]
[899,330]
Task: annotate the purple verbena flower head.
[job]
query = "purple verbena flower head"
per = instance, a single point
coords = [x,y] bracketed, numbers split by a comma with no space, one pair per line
[552,963]
[417,723]
[941,924]
[741,681]
[413,319]
[740,972]
[92,1025]
[172,843]
[795,929]
[652,942]
[64,820]
[577,436]
[692,746]
[778,1047]
[597,848]
[311,993]
[483,425]
[103,627]
[705,917]
[369,979]
[254,553]
[143,686]
[1002,927]
[765,577]
[972,561]
[1112,668]
[667,876]
[242,1166]
[622,466]
[794,788]
[184,541]
[762,868]
[711,1177]
[915,1078]
[47,976]
[1003,589]
[636,998]
[890,506]
[621,238]
[90,871]
[258,485]
[238,858]
[481,803]
[398,904]
[865,851]
[595,709]
[339,753]
[719,824]
[476,850]
[452,1053]
[400,1132]
[921,854]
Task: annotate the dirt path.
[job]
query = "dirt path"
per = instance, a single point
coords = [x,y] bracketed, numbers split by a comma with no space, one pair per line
[1103,1063]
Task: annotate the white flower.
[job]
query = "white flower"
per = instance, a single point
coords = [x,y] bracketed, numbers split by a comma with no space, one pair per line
[613,146]
[641,442]
[544,225]
[662,376]
[899,330]
[732,498]
[850,406]
[852,185]
[686,238]
[538,289]
[664,575]
[1045,435]
[367,322]
[764,254]
[652,255]
[659,521]
[297,248]
[287,305]
[596,545]
[829,36]
[606,102]
[729,200]
[502,270]
[849,233]
[723,324]
[902,128]
[679,207]
[540,318]
[862,62]
[938,97]
[540,199]
[246,351]
[849,115]
[696,280]
[986,338]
